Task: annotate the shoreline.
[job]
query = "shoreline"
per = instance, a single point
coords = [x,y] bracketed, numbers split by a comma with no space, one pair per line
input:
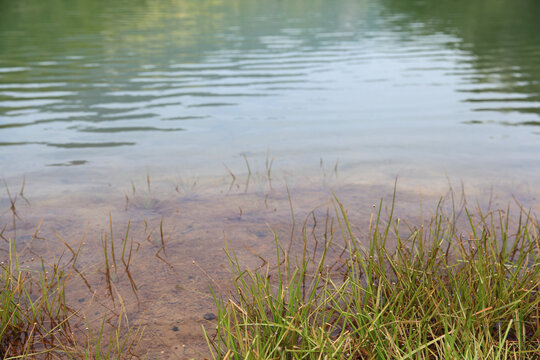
[176,250]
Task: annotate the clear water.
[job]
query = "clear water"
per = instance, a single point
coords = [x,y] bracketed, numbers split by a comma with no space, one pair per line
[387,88]
[132,108]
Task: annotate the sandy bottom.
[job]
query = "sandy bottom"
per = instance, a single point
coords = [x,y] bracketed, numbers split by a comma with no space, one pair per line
[177,238]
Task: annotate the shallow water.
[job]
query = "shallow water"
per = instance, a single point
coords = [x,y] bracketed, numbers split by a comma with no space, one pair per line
[177,245]
[198,113]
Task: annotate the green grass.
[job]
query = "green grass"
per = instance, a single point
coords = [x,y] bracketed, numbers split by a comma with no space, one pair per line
[403,292]
[33,314]
[425,292]
[36,322]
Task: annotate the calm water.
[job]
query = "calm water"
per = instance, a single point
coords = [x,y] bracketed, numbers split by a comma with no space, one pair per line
[409,88]
[96,94]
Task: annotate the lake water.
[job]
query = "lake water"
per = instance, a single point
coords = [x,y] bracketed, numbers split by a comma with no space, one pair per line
[146,108]
[384,87]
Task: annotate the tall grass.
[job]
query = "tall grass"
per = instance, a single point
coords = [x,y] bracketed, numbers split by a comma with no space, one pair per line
[425,292]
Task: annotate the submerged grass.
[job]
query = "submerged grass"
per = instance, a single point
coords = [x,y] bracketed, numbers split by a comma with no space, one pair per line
[434,293]
[36,322]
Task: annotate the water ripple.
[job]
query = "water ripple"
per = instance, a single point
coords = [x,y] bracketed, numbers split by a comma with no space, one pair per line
[281,73]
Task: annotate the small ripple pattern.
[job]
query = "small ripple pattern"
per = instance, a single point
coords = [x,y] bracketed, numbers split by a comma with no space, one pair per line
[93,79]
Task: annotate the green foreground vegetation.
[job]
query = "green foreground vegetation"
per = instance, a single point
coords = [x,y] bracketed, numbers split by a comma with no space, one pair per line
[427,292]
[36,321]
[437,295]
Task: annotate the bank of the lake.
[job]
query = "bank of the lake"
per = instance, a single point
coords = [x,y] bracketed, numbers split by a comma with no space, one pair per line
[302,281]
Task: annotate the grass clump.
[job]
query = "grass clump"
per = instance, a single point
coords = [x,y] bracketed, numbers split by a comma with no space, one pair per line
[33,312]
[434,293]
[37,323]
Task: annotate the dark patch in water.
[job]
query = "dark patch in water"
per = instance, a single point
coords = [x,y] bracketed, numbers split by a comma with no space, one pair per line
[212,105]
[178,118]
[18,143]
[472,122]
[67,145]
[11,125]
[529,123]
[89,145]
[521,123]
[70,163]
[523,110]
[127,129]
[505,123]
[261,234]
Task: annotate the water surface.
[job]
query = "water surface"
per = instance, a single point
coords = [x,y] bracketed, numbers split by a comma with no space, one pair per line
[388,88]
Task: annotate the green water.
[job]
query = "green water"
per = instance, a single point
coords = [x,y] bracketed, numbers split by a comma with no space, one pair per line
[419,89]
